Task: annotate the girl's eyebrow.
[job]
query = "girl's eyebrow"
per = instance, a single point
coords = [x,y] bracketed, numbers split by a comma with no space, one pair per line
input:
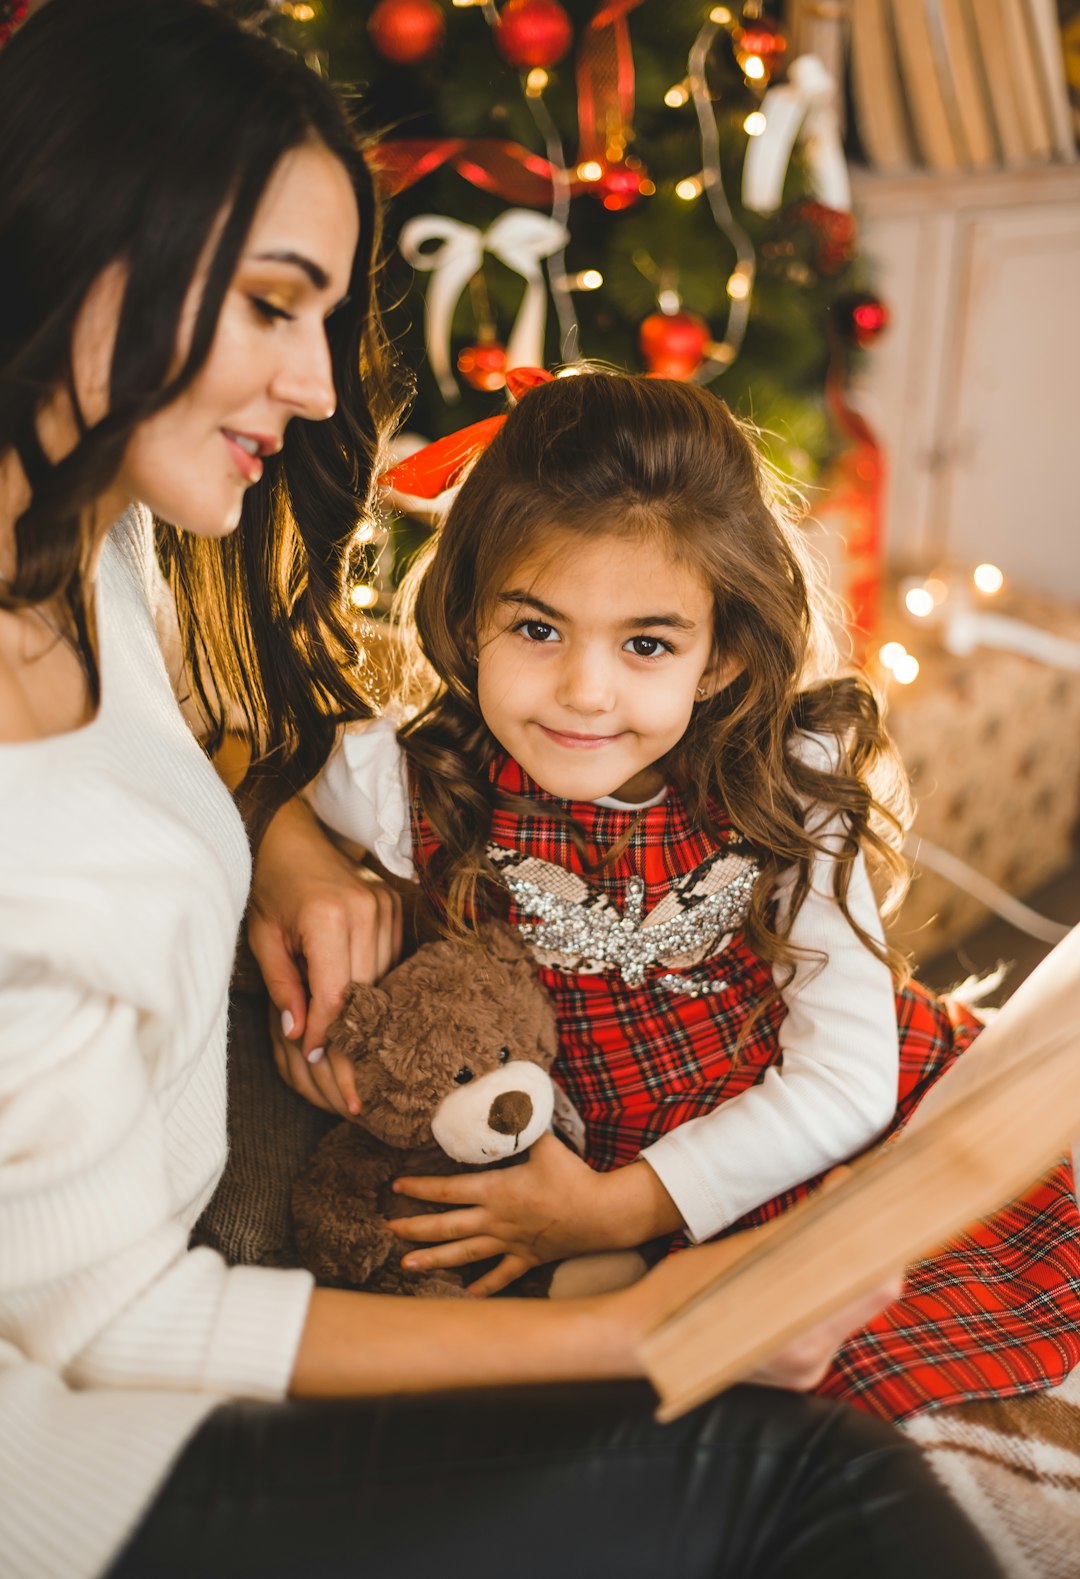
[677,622]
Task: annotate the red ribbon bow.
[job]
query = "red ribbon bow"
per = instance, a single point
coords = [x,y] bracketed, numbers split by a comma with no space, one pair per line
[429,472]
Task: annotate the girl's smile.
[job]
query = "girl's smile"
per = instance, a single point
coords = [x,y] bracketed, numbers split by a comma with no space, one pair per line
[592,659]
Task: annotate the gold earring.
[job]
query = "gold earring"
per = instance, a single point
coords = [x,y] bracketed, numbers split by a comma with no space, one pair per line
[701,690]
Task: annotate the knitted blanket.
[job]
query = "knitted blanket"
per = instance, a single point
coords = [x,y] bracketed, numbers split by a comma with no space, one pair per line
[1013,1465]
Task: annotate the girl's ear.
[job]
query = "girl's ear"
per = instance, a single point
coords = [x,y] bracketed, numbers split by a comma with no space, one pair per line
[723,668]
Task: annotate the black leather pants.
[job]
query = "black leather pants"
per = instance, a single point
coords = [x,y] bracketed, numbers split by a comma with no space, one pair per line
[552,1483]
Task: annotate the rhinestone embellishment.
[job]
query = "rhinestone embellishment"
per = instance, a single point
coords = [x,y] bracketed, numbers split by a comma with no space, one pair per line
[576,927]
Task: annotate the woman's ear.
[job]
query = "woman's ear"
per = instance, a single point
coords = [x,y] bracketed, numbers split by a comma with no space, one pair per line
[723,668]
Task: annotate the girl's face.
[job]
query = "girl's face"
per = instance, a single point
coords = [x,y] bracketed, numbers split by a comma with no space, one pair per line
[592,659]
[269,360]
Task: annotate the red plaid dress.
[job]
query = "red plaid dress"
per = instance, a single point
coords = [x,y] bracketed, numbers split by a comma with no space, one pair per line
[995,1313]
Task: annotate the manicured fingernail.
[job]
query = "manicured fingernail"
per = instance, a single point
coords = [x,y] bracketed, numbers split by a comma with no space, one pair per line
[315,1054]
[287,1022]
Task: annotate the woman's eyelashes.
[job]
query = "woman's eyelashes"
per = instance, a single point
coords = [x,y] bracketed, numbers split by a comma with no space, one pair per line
[269,311]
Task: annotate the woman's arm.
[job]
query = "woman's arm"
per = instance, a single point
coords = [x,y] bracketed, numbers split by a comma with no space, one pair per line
[371,1343]
[315,923]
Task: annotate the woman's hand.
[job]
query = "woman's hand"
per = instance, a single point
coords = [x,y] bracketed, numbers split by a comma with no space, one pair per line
[551,1206]
[315,923]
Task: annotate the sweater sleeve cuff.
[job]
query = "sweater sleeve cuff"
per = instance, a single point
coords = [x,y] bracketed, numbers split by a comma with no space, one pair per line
[253,1347]
[693,1189]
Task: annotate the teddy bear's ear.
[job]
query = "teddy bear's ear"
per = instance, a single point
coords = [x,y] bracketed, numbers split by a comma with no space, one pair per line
[362,1016]
[502,941]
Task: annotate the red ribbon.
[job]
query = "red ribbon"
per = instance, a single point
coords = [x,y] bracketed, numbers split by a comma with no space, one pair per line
[506,169]
[429,472]
[605,83]
[857,497]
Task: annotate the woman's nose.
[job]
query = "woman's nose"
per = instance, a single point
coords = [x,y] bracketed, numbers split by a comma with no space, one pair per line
[305,378]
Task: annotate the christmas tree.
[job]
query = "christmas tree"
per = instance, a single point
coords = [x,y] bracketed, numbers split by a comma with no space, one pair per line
[629,124]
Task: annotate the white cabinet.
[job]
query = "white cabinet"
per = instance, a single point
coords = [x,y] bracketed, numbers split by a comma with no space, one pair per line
[974,389]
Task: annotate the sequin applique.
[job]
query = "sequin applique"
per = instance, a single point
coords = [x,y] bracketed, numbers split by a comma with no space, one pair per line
[578,928]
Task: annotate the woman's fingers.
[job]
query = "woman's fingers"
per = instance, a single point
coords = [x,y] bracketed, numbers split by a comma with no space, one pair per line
[281,974]
[293,1068]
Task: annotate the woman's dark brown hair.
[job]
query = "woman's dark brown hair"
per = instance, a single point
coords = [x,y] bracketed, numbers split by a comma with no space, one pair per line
[627,456]
[127,129]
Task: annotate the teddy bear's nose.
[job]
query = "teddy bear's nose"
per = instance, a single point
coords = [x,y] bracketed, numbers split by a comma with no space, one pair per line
[510,1112]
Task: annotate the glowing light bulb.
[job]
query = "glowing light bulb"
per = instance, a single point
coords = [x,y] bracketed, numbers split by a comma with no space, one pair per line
[988,578]
[536,82]
[720,14]
[754,68]
[689,188]
[361,596]
[891,653]
[676,97]
[668,301]
[920,602]
[738,286]
[589,280]
[302,13]
[937,589]
[364,532]
[754,124]
[906,669]
[646,187]
[568,372]
[590,170]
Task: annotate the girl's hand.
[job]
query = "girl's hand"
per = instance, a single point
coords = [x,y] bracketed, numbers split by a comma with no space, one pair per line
[316,923]
[551,1206]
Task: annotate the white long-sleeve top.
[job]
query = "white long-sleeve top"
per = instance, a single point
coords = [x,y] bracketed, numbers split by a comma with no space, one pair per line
[835,1087]
[124,869]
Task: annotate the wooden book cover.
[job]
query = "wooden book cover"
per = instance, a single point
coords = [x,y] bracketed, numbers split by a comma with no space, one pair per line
[923,89]
[1000,1117]
[1001,83]
[960,54]
[879,107]
[1050,59]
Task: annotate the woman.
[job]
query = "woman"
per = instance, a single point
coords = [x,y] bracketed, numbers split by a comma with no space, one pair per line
[186,245]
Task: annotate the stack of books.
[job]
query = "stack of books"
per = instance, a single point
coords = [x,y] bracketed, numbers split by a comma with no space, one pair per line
[959,84]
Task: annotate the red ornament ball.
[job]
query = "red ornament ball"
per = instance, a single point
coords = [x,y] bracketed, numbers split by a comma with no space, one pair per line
[12,13]
[762,37]
[533,33]
[407,31]
[674,344]
[483,366]
[861,317]
[622,185]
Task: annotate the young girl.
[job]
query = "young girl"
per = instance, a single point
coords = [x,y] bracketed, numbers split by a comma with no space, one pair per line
[639,749]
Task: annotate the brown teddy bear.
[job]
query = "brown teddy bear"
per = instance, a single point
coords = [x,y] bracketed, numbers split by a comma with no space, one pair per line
[452,1054]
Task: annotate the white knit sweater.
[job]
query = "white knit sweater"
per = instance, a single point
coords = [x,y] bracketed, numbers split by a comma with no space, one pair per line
[123,874]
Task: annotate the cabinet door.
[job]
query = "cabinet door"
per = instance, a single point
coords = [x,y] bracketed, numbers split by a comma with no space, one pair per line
[1009,493]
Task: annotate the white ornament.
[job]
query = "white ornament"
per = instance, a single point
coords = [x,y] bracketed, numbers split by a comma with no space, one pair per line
[805,104]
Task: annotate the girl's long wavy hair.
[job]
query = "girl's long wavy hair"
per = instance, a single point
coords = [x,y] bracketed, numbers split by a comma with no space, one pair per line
[624,456]
[128,128]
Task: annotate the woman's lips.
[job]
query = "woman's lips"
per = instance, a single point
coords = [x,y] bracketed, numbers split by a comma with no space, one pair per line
[249,466]
[576,742]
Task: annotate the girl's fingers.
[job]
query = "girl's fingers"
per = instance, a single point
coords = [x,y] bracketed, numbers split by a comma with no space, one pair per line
[459,1189]
[440,1227]
[509,1269]
[462,1253]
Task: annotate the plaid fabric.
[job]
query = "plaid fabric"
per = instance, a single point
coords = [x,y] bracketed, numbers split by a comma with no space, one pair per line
[996,1313]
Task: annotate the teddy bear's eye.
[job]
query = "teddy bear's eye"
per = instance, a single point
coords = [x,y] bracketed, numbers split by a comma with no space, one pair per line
[463,1076]
[504,1056]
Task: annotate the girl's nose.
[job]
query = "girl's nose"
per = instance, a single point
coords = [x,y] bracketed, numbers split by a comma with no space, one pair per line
[305,378]
[585,683]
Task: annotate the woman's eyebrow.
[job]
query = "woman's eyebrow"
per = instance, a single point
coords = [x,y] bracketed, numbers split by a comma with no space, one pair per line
[316,274]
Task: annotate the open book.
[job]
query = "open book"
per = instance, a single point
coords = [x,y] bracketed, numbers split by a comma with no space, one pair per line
[999,1118]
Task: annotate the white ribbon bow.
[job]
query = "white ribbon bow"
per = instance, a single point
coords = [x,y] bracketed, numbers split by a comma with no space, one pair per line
[807,101]
[520,238]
